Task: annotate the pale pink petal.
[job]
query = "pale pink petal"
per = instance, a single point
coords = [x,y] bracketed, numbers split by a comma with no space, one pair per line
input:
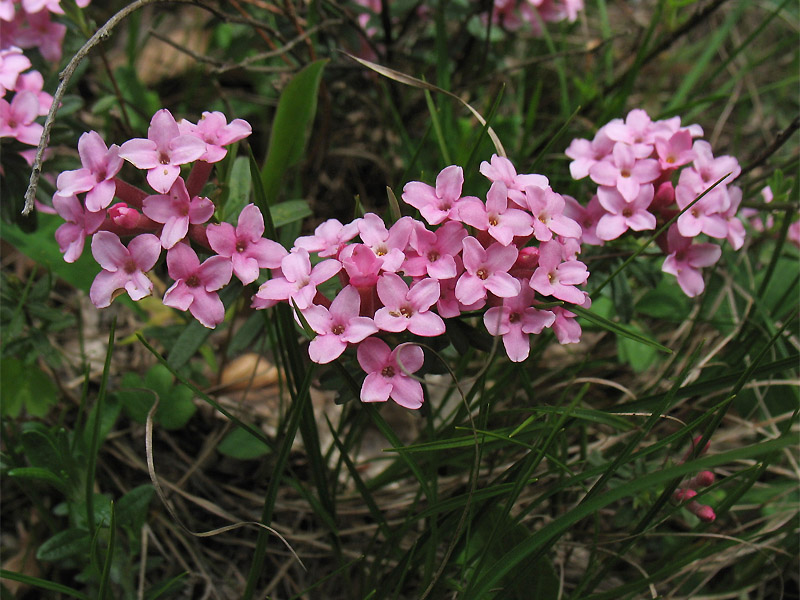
[108,251]
[104,286]
[376,388]
[161,177]
[407,392]
[140,152]
[251,223]
[215,272]
[178,296]
[426,324]
[207,308]
[326,348]
[373,354]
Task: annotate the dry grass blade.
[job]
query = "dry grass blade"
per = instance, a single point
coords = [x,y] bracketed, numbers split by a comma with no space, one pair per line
[424,85]
[154,478]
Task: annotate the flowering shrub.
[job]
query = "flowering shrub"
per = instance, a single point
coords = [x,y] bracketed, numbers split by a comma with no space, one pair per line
[520,251]
[647,172]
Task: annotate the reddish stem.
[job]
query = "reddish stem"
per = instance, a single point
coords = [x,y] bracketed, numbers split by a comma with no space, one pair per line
[130,194]
[198,177]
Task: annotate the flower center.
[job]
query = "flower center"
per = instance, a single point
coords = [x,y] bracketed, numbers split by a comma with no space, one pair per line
[388,371]
[130,266]
[406,312]
[625,173]
[337,329]
[482,273]
[433,256]
[163,158]
[627,213]
[514,317]
[241,245]
[193,281]
[493,220]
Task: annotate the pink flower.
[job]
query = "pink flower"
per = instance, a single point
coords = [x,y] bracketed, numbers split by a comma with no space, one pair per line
[388,244]
[703,512]
[408,309]
[299,282]
[439,203]
[386,378]
[623,215]
[566,326]
[586,154]
[244,245]
[214,129]
[587,217]
[338,326]
[556,278]
[176,211]
[706,215]
[164,150]
[625,172]
[486,270]
[329,237]
[123,268]
[638,132]
[12,63]
[79,223]
[515,320]
[32,81]
[17,118]
[435,251]
[501,222]
[686,260]
[196,285]
[96,177]
[675,151]
[502,170]
[40,31]
[547,208]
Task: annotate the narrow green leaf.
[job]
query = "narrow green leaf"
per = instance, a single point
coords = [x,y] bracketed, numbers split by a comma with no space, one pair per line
[559,525]
[620,330]
[290,211]
[39,474]
[296,109]
[43,584]
[103,589]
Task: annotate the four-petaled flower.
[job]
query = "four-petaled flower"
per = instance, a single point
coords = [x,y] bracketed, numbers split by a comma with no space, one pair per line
[248,251]
[337,326]
[196,285]
[123,268]
[405,308]
[387,372]
[164,150]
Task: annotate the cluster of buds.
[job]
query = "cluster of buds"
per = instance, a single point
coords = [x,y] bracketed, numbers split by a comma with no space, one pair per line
[515,15]
[647,172]
[688,490]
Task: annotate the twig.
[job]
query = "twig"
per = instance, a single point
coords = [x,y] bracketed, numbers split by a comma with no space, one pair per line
[779,141]
[64,77]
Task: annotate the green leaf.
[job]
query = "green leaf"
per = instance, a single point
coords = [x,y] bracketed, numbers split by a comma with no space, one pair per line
[195,334]
[296,109]
[175,406]
[39,474]
[239,185]
[64,544]
[632,351]
[620,330]
[131,509]
[40,449]
[242,445]
[25,385]
[42,583]
[289,212]
[666,301]
[41,246]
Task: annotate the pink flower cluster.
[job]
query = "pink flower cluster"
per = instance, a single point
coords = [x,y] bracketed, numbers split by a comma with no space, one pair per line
[688,490]
[648,171]
[471,255]
[167,219]
[516,14]
[505,256]
[28,24]
[22,100]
